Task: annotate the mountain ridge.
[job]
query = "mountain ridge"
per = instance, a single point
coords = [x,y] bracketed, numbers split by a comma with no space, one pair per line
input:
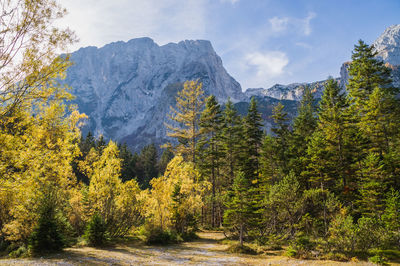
[127,88]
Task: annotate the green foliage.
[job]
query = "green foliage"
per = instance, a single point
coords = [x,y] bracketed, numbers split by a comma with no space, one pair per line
[378,260]
[96,231]
[342,233]
[240,212]
[284,205]
[242,249]
[304,126]
[211,153]
[48,235]
[301,247]
[161,237]
[20,252]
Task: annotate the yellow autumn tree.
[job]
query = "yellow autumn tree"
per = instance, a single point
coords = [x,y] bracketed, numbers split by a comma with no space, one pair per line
[117,203]
[178,178]
[186,117]
[39,143]
[30,47]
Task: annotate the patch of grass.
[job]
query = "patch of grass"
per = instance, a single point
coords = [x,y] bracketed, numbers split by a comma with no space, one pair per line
[237,248]
[21,252]
[389,253]
[379,260]
[337,256]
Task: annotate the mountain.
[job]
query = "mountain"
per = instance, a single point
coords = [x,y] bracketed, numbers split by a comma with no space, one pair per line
[126,88]
[293,92]
[387,47]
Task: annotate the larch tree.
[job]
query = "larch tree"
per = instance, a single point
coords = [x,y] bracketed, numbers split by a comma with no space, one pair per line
[186,118]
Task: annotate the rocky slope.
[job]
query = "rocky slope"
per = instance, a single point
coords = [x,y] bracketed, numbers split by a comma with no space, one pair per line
[126,88]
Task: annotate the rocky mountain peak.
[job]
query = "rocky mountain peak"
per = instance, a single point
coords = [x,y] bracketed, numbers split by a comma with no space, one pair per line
[388,45]
[126,88]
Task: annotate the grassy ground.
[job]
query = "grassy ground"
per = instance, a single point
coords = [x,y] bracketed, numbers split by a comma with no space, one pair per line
[207,250]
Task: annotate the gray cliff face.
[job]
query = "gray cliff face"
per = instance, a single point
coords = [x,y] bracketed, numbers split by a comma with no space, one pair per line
[387,47]
[126,88]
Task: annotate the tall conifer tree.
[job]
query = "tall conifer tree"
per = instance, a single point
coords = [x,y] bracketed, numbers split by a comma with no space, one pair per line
[186,115]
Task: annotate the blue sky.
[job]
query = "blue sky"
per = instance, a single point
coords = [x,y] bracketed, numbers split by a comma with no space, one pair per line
[261,42]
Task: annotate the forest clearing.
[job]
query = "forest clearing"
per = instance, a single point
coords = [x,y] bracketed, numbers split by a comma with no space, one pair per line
[207,250]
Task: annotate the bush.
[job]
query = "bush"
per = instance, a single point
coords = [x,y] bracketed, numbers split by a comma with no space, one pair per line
[291,252]
[378,259]
[370,233]
[342,233]
[237,248]
[47,236]
[160,237]
[22,251]
[96,230]
[301,247]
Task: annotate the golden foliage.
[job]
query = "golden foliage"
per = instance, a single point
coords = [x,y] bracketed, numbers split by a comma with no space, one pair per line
[159,203]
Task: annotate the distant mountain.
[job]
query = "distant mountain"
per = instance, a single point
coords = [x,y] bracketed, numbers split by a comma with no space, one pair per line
[126,88]
[388,45]
[388,48]
[293,92]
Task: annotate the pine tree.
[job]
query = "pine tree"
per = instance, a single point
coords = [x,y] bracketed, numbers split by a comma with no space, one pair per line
[281,140]
[250,164]
[189,104]
[252,142]
[304,126]
[373,108]
[210,149]
[231,141]
[148,158]
[166,157]
[329,150]
[366,73]
[373,185]
[127,166]
[239,211]
[371,97]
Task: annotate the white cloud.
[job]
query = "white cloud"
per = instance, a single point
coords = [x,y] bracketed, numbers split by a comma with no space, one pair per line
[307,23]
[303,45]
[279,24]
[269,64]
[230,1]
[98,22]
[300,25]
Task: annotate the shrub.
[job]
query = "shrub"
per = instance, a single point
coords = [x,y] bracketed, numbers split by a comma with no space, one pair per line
[378,259]
[370,233]
[47,236]
[342,233]
[157,236]
[95,233]
[301,247]
[242,249]
[22,251]
[291,252]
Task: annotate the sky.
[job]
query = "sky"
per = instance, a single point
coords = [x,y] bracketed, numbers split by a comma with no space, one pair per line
[261,42]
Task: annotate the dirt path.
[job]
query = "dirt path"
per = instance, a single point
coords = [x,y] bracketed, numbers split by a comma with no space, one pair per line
[205,251]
